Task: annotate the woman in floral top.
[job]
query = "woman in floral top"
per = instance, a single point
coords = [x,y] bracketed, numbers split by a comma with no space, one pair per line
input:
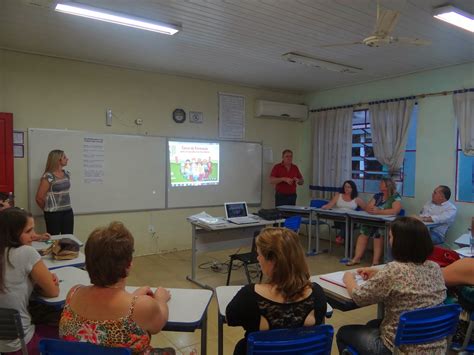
[105,313]
[386,202]
[407,283]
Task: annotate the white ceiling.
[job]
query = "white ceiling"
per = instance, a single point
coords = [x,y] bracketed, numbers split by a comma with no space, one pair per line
[242,41]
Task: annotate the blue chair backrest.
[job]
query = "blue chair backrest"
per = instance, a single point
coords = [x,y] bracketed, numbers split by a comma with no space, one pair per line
[315,340]
[401,213]
[427,325]
[63,347]
[293,223]
[318,203]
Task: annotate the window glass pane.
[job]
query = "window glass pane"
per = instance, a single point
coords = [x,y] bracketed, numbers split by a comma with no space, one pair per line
[465,183]
[359,183]
[409,174]
[358,117]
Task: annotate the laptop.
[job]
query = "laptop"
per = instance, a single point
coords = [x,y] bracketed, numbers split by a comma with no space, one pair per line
[236,212]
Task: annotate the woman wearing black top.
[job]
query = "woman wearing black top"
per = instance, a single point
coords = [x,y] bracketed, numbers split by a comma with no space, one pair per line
[288,299]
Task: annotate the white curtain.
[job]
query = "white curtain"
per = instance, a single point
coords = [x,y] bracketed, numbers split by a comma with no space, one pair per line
[463,103]
[332,147]
[389,124]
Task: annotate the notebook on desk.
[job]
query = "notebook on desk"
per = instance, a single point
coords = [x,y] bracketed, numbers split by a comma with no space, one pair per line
[236,212]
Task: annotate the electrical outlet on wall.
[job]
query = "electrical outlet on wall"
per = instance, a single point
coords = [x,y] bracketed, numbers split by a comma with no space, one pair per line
[151,228]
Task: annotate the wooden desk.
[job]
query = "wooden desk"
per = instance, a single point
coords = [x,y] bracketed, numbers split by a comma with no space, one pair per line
[224,295]
[52,264]
[208,237]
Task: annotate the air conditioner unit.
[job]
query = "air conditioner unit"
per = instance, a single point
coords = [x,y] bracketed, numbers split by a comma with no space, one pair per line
[273,109]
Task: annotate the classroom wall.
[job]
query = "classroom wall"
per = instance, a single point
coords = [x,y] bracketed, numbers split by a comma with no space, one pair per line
[46,92]
[436,136]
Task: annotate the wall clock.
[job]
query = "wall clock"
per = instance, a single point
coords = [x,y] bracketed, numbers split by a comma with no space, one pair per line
[179,116]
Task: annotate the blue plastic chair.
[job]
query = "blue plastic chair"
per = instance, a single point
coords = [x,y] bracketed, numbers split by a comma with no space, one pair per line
[424,325]
[318,203]
[316,340]
[401,213]
[466,346]
[63,347]
[293,223]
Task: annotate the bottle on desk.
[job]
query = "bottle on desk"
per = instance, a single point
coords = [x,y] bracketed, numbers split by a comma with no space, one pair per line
[11,201]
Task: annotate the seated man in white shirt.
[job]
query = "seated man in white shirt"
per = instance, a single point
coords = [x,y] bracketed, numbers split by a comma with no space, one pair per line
[439,210]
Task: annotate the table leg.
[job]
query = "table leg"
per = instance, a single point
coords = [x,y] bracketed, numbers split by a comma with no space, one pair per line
[194,261]
[352,240]
[348,239]
[204,334]
[310,232]
[220,334]
[316,251]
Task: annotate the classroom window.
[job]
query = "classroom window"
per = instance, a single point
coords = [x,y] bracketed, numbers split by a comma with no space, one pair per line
[464,175]
[366,170]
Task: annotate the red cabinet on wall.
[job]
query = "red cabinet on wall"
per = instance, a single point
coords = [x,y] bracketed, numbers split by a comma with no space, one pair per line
[6,152]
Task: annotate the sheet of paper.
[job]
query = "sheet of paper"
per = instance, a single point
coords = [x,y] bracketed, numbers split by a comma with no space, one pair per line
[337,277]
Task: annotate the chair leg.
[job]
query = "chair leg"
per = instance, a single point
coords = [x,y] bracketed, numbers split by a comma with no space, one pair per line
[247,273]
[229,270]
[330,240]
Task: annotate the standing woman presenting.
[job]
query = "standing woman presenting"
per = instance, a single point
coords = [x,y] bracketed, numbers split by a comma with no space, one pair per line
[53,195]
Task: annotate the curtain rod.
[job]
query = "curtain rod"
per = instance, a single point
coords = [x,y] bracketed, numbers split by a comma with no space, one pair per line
[419,96]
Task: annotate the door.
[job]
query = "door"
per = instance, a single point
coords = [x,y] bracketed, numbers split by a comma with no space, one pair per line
[6,152]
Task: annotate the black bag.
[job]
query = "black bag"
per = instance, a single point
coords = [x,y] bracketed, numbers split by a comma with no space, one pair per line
[269,214]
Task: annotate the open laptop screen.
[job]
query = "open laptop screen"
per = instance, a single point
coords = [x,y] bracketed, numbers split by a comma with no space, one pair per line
[236,209]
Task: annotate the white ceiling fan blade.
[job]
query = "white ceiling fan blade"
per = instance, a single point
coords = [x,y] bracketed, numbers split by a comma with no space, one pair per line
[410,40]
[340,44]
[386,21]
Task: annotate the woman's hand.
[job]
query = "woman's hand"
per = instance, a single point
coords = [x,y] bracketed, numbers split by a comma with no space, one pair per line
[55,279]
[42,237]
[162,294]
[373,210]
[143,291]
[348,277]
[366,272]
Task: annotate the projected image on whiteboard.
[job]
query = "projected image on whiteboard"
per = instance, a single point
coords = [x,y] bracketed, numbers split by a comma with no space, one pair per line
[193,163]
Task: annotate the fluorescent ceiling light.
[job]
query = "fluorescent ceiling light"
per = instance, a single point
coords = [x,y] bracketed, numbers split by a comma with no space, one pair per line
[319,63]
[115,17]
[455,16]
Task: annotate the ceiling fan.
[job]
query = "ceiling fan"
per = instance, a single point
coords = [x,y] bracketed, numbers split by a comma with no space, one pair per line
[385,24]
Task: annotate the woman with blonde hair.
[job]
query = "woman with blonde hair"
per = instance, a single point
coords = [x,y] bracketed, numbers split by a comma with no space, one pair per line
[105,313]
[53,195]
[386,202]
[288,299]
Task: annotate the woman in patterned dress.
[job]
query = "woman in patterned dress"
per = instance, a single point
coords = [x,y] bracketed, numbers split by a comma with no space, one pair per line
[105,313]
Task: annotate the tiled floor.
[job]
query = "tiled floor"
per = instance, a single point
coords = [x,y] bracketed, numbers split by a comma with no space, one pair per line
[170,270]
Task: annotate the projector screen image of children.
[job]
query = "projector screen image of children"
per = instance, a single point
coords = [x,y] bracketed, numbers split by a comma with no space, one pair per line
[193,163]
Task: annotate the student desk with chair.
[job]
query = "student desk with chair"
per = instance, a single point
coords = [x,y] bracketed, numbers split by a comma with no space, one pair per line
[224,295]
[221,235]
[187,307]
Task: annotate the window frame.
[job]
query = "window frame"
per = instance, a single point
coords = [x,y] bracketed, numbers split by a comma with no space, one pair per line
[366,126]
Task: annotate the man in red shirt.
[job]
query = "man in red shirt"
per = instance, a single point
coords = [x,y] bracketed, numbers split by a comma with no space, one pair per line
[285,176]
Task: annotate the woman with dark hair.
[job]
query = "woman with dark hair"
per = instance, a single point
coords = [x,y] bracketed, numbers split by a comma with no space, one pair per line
[407,283]
[53,195]
[386,202]
[347,199]
[288,299]
[105,313]
[22,270]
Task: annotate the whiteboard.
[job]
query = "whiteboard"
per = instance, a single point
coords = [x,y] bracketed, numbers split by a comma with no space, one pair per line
[133,169]
[240,178]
